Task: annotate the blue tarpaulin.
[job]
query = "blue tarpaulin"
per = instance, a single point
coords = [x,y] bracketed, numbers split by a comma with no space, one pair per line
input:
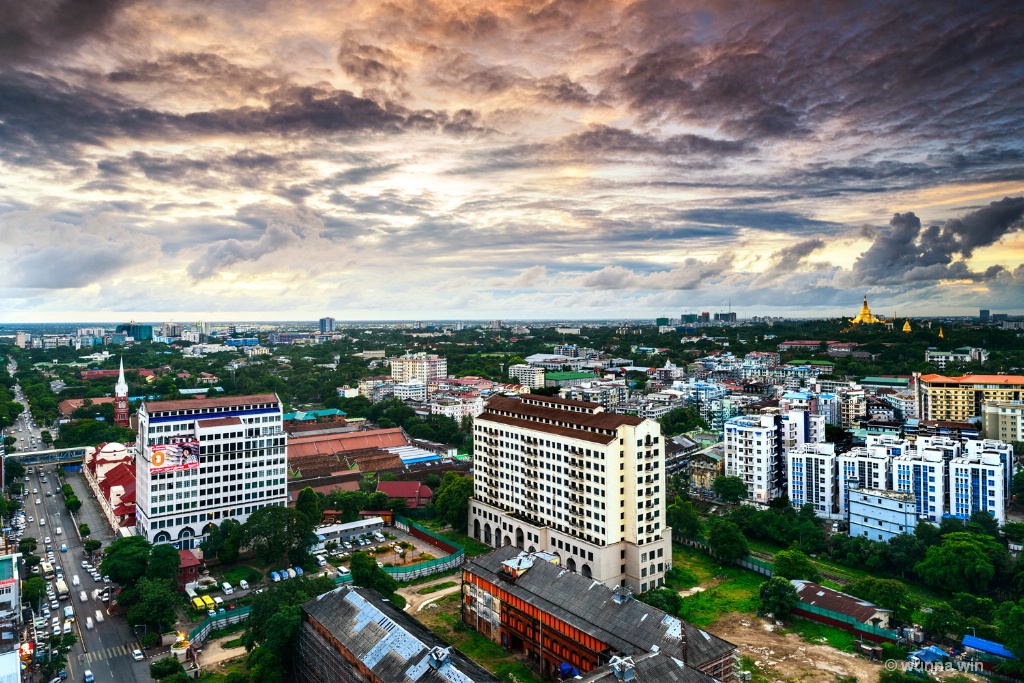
[566,670]
[929,654]
[987,646]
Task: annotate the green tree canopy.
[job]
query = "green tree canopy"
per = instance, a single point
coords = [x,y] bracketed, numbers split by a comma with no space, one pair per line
[730,489]
[793,564]
[683,518]
[726,541]
[366,573]
[33,590]
[308,503]
[224,542]
[126,559]
[275,532]
[152,602]
[888,593]
[13,471]
[164,561]
[452,500]
[961,561]
[778,596]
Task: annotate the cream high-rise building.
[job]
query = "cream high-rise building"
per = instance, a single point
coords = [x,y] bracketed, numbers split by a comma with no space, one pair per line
[567,477]
[959,399]
[418,366]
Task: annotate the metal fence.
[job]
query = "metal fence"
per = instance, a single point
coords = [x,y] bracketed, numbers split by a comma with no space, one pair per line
[441,564]
[218,621]
[838,616]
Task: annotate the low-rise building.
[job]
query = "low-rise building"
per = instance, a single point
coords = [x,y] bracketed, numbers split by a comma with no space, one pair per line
[881,515]
[824,605]
[10,588]
[963,355]
[188,569]
[413,390]
[529,605]
[352,634]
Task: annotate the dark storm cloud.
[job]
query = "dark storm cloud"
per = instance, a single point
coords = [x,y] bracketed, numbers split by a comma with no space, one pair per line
[226,253]
[44,28]
[772,221]
[910,252]
[598,139]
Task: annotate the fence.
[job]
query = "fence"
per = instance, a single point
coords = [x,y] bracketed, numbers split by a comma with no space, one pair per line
[848,622]
[454,559]
[751,563]
[218,621]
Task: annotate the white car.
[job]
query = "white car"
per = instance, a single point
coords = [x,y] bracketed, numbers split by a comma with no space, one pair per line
[137,655]
[31,519]
[35,492]
[85,564]
[67,627]
[38,501]
[47,540]
[99,616]
[54,604]
[42,522]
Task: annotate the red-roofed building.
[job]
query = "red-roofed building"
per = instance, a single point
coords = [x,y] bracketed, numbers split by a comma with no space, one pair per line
[109,471]
[416,495]
[188,571]
[959,399]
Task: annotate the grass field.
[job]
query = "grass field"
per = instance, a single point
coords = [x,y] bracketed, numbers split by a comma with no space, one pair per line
[814,632]
[437,587]
[733,590]
[473,547]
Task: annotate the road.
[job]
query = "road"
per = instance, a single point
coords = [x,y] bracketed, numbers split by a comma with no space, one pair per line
[106,648]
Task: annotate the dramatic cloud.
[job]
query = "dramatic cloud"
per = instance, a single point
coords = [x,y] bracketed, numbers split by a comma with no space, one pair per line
[459,158]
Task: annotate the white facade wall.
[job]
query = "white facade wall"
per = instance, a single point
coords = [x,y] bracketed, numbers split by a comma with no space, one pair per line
[528,375]
[413,390]
[881,515]
[812,477]
[752,453]
[418,366]
[243,467]
[540,486]
[976,483]
[923,475]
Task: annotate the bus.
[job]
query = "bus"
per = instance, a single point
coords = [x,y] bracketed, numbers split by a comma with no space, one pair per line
[47,570]
[62,590]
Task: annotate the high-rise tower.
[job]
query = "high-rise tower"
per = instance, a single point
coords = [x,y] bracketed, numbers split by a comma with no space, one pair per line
[121,399]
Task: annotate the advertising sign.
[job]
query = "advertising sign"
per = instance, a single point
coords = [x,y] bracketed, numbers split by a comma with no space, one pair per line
[171,457]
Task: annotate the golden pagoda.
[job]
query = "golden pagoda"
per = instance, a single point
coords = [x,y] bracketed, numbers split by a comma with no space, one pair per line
[906,325]
[941,336]
[865,315]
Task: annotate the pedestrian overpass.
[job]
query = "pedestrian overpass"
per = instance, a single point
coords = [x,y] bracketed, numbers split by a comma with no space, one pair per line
[55,456]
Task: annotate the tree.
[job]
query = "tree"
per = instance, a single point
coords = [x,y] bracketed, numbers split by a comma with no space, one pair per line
[366,573]
[274,532]
[33,590]
[72,504]
[683,519]
[46,437]
[264,665]
[888,593]
[13,471]
[962,561]
[164,667]
[729,489]
[452,500]
[778,597]
[84,529]
[903,552]
[726,541]
[126,559]
[982,522]
[927,533]
[308,503]
[942,621]
[92,545]
[1017,487]
[164,562]
[224,542]
[793,564]
[1010,623]
[153,602]
[681,420]
[836,434]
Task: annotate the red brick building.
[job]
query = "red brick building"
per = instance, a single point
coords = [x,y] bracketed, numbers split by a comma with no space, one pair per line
[416,495]
[189,569]
[559,620]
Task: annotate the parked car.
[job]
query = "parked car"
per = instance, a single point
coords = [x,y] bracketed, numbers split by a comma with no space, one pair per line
[137,655]
[275,577]
[243,584]
[298,571]
[226,587]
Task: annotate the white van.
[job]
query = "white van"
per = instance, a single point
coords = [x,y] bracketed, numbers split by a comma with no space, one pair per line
[74,580]
[218,601]
[88,622]
[226,587]
[243,584]
[99,616]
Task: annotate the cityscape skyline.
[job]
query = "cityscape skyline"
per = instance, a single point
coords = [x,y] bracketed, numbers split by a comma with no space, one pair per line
[430,160]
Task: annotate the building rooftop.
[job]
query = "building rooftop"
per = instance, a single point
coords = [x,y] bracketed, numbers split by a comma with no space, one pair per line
[389,642]
[975,379]
[631,628]
[569,375]
[811,593]
[655,666]
[218,422]
[201,403]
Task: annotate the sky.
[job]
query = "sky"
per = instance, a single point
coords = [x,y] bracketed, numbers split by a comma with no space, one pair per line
[576,159]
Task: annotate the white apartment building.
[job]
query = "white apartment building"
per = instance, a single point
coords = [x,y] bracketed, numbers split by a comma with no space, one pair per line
[607,392]
[753,453]
[922,474]
[413,390]
[868,467]
[569,478]
[812,476]
[457,407]
[528,375]
[418,366]
[964,354]
[977,483]
[1002,450]
[200,461]
[881,515]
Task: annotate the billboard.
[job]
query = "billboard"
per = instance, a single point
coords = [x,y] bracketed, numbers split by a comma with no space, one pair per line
[171,457]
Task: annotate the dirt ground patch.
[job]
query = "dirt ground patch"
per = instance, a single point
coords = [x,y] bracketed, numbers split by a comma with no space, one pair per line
[787,657]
